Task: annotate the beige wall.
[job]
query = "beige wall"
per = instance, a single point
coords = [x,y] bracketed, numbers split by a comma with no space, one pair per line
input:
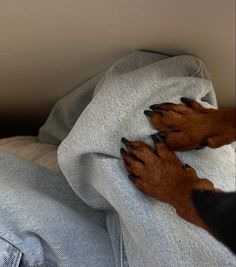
[48,47]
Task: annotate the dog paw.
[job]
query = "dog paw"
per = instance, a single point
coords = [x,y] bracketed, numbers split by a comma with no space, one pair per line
[158,173]
[186,126]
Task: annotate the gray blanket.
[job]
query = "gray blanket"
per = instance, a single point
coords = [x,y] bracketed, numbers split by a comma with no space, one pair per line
[91,121]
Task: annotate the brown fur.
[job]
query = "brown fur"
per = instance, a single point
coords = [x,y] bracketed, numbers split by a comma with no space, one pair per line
[159,173]
[190,126]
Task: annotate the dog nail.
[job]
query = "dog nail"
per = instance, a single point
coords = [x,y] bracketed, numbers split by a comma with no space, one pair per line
[187,166]
[154,138]
[125,141]
[148,113]
[123,151]
[201,147]
[155,106]
[186,100]
[132,177]
[168,103]
[161,135]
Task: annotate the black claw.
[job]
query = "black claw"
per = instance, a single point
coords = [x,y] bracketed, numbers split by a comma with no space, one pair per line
[125,141]
[148,113]
[155,138]
[187,166]
[201,147]
[158,106]
[168,103]
[186,100]
[123,151]
[161,135]
[132,177]
[155,106]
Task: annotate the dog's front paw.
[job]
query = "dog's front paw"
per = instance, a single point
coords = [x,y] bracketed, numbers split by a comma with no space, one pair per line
[160,174]
[187,126]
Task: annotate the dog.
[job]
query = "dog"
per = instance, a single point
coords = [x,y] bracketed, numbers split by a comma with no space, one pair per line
[160,174]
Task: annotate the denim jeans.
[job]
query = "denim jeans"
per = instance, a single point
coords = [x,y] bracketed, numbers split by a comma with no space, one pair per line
[44,223]
[10,256]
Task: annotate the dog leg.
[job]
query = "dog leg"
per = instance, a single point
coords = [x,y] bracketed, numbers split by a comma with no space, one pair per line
[218,211]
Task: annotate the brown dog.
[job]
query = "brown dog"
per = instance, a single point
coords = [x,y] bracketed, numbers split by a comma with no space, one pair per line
[160,174]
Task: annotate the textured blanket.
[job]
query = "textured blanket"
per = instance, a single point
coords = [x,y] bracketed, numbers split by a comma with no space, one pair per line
[91,121]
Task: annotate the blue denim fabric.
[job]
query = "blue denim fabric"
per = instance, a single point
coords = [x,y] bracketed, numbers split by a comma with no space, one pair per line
[10,256]
[44,224]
